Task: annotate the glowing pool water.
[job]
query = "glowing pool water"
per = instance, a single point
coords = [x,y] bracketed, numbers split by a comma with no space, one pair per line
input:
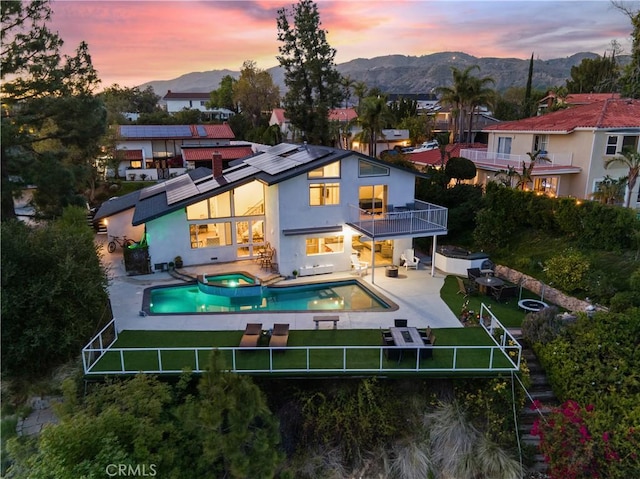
[347,295]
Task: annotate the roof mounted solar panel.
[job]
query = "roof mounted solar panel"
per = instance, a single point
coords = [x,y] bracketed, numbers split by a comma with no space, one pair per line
[283,148]
[181,193]
[152,191]
[201,130]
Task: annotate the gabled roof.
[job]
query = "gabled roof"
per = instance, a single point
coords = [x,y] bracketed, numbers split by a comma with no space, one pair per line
[279,115]
[175,132]
[186,96]
[199,153]
[607,114]
[275,164]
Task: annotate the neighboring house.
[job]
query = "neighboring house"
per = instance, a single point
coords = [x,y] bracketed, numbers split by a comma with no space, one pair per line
[576,140]
[315,205]
[156,150]
[444,118]
[572,99]
[342,115]
[176,101]
[388,139]
[425,102]
[434,158]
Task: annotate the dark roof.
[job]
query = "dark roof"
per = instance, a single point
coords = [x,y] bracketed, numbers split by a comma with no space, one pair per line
[274,165]
[174,95]
[117,205]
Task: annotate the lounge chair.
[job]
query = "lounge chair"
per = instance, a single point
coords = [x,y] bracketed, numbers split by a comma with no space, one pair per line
[279,336]
[358,266]
[410,260]
[251,335]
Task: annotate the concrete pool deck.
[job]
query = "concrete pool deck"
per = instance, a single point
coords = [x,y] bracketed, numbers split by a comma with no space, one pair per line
[416,293]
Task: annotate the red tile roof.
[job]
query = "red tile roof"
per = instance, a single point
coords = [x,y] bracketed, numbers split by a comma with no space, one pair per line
[610,113]
[343,114]
[432,157]
[228,153]
[280,115]
[223,131]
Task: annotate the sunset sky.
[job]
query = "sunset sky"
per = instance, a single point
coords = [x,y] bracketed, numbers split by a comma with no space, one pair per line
[132,42]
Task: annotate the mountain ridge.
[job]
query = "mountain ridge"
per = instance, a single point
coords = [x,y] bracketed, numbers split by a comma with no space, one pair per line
[405,74]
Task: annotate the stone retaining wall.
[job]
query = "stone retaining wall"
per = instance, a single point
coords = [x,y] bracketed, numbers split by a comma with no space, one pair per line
[535,286]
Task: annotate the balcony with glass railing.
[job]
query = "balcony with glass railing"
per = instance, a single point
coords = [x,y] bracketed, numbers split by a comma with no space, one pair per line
[503,160]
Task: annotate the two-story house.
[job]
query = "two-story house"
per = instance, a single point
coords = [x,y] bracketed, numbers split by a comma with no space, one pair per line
[178,101]
[315,205]
[575,141]
[164,151]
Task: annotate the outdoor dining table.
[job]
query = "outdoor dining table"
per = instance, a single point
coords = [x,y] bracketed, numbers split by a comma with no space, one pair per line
[488,282]
[406,339]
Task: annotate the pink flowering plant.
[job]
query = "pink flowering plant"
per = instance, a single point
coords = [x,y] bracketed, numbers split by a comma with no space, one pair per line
[575,447]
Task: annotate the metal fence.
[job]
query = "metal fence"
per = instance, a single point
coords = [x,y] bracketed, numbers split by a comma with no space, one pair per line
[100,358]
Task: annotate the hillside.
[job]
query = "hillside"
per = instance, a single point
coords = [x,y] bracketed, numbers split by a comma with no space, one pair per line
[406,74]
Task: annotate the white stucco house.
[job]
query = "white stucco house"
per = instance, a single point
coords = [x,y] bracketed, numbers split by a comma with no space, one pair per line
[179,101]
[164,151]
[315,205]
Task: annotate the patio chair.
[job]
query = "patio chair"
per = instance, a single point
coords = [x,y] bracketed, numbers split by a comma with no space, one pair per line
[358,266]
[425,334]
[487,267]
[410,260]
[400,323]
[473,273]
[465,287]
[391,351]
[427,353]
[504,292]
[251,335]
[279,336]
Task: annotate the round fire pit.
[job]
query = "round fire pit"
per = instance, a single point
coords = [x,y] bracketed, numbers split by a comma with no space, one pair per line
[391,271]
[532,305]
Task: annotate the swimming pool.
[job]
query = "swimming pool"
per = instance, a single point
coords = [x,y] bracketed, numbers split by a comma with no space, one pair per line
[347,295]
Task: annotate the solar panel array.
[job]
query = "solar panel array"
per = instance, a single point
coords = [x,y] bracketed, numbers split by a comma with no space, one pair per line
[181,188]
[153,190]
[155,131]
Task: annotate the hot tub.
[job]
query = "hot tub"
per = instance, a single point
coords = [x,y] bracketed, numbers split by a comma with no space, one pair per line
[230,284]
[455,260]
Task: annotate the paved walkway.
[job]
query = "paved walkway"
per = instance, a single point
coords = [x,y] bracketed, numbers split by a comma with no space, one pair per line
[416,293]
[41,415]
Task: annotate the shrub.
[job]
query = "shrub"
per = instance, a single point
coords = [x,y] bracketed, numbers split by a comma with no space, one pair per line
[568,271]
[542,327]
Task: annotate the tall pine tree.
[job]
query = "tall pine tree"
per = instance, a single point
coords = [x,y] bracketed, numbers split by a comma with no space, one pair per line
[311,78]
[527,93]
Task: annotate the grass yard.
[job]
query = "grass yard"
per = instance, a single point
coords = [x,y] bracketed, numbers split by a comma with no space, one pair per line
[291,359]
[508,313]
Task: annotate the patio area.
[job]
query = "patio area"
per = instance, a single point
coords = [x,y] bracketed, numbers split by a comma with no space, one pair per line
[416,293]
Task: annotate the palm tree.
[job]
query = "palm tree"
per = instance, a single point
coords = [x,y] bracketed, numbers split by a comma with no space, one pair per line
[479,95]
[347,84]
[631,159]
[360,91]
[458,95]
[610,191]
[525,177]
[373,117]
[443,141]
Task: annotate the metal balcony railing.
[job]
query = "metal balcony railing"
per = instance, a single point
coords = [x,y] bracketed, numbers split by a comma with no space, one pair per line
[503,160]
[418,218]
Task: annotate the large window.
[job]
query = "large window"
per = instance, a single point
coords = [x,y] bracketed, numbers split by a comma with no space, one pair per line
[548,186]
[332,170]
[366,168]
[326,245]
[617,143]
[210,235]
[504,145]
[321,194]
[246,200]
[540,143]
[373,198]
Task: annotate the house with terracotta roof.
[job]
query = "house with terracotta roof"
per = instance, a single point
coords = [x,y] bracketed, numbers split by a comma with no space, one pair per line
[572,99]
[164,151]
[178,101]
[575,141]
[315,206]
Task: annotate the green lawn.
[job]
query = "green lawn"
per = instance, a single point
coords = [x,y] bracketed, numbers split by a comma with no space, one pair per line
[296,359]
[507,313]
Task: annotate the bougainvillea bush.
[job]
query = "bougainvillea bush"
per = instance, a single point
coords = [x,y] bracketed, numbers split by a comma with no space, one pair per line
[594,368]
